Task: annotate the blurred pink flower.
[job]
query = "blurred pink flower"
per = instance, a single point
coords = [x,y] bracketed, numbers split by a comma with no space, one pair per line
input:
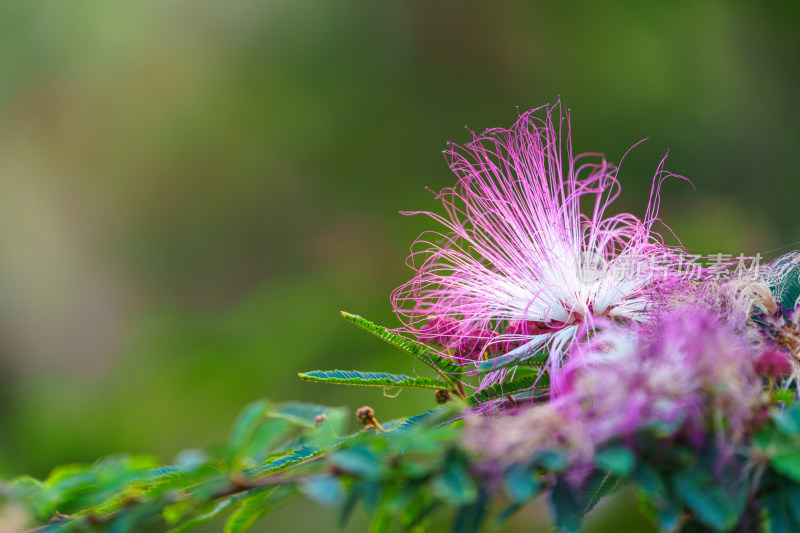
[685,374]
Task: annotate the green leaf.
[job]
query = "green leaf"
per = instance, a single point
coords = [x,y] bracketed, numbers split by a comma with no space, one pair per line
[507,512]
[652,489]
[371,379]
[253,508]
[552,460]
[792,494]
[246,424]
[129,521]
[526,354]
[455,485]
[780,448]
[325,489]
[616,460]
[779,520]
[670,514]
[190,460]
[371,492]
[216,510]
[787,420]
[68,486]
[165,480]
[787,463]
[566,510]
[265,437]
[783,515]
[648,481]
[381,521]
[598,488]
[358,460]
[296,456]
[712,505]
[441,416]
[785,396]
[444,367]
[509,387]
[519,484]
[24,487]
[300,413]
[349,505]
[470,517]
[416,515]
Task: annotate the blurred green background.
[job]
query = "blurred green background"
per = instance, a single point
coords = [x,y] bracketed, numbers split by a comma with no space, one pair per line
[192,190]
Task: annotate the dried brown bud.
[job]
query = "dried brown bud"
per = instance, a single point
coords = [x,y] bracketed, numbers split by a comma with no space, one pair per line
[365,415]
[442,396]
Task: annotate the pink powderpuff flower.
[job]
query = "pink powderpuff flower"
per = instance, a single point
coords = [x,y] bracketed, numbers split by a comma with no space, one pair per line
[778,312]
[686,373]
[518,266]
[765,308]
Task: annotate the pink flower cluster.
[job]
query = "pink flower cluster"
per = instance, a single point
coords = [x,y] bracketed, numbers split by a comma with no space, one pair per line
[632,344]
[683,374]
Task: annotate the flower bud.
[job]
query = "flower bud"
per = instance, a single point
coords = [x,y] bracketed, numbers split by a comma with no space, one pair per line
[365,415]
[442,396]
[773,363]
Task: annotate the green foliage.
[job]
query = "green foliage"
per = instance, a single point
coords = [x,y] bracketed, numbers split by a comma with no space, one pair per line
[780,442]
[410,474]
[407,472]
[567,510]
[602,485]
[520,484]
[538,386]
[282,462]
[371,379]
[617,460]
[454,484]
[524,355]
[783,513]
[445,368]
[250,509]
[707,498]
